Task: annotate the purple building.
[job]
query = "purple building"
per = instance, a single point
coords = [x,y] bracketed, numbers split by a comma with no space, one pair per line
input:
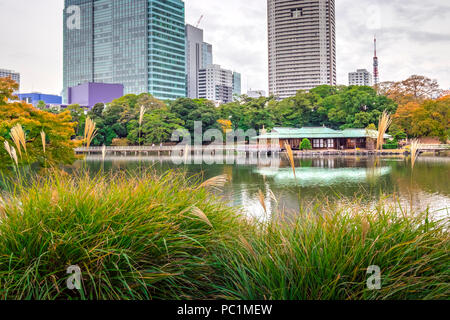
[90,93]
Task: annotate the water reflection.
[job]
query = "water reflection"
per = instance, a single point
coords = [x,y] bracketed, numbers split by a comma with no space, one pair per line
[322,176]
[319,180]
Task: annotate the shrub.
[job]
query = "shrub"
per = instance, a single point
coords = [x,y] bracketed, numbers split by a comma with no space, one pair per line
[305,145]
[392,145]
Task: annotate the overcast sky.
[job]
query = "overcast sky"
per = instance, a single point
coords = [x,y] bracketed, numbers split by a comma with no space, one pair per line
[413,38]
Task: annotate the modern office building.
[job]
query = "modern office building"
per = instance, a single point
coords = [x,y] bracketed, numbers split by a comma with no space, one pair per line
[237,84]
[10,74]
[139,43]
[215,84]
[35,97]
[361,77]
[198,56]
[302,45]
[207,53]
[89,94]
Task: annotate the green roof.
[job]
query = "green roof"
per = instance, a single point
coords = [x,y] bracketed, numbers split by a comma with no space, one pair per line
[362,133]
[318,133]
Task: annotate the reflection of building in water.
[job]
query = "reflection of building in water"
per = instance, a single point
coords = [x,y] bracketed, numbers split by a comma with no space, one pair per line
[324,162]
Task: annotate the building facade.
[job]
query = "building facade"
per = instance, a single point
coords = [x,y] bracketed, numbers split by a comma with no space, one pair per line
[89,94]
[237,84]
[139,43]
[302,45]
[10,74]
[35,97]
[361,77]
[215,84]
[198,56]
[207,53]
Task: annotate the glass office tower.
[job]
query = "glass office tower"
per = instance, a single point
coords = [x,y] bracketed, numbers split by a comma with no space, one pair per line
[137,43]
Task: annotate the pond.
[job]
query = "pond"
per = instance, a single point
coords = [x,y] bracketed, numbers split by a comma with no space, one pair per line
[318,181]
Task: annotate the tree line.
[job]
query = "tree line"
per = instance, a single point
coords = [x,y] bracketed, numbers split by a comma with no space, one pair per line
[419,109]
[418,106]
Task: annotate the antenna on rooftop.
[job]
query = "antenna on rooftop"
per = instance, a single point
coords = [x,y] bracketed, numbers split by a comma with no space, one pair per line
[375,63]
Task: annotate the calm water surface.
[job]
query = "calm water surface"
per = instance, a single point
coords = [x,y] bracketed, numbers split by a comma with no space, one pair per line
[318,181]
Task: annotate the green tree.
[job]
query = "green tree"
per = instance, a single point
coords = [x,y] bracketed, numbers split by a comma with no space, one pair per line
[41,105]
[305,145]
[158,126]
[191,110]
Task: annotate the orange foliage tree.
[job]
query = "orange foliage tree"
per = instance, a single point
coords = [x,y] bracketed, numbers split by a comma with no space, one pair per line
[58,129]
[424,109]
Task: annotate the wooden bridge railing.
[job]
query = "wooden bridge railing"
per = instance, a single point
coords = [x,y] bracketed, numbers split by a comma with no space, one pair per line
[435,147]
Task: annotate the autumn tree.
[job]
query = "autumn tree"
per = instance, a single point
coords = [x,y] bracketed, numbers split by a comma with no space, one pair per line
[414,89]
[58,129]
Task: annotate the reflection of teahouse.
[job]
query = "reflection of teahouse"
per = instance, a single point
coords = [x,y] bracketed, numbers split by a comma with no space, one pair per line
[322,138]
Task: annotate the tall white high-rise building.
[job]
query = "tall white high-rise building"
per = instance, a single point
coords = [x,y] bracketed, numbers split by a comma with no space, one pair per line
[302,45]
[215,84]
[361,77]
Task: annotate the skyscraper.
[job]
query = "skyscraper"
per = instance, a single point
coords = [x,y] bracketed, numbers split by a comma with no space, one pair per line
[302,45]
[198,56]
[139,43]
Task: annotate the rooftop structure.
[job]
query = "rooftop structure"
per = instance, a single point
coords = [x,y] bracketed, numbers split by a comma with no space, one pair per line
[89,94]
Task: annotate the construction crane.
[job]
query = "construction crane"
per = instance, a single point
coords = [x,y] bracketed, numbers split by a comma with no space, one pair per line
[199,20]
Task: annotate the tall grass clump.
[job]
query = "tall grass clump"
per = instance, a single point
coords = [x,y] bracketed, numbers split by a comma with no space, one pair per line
[148,236]
[19,139]
[325,254]
[383,125]
[133,237]
[90,132]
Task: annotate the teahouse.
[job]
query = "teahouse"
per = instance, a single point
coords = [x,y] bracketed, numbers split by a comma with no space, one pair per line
[322,138]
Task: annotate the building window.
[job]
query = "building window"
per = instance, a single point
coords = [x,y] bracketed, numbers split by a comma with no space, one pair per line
[319,143]
[330,143]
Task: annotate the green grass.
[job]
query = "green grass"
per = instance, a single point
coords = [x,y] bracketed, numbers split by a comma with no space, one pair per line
[146,236]
[324,254]
[133,237]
